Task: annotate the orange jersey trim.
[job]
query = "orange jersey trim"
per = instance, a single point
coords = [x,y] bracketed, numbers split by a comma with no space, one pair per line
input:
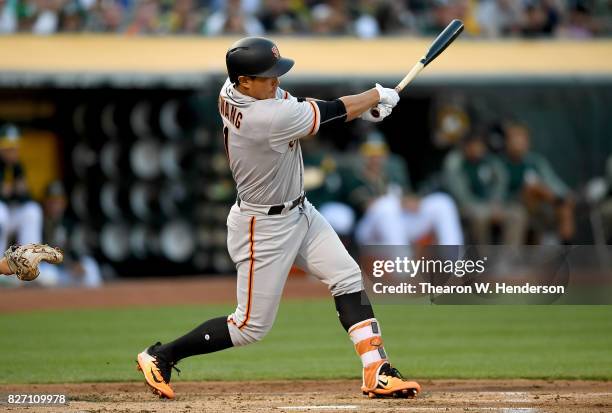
[251,271]
[314,123]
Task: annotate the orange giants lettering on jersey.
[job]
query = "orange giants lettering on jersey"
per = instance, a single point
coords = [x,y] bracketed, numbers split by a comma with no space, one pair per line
[230,112]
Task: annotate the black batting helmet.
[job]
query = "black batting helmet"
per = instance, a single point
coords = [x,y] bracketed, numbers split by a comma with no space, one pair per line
[255,56]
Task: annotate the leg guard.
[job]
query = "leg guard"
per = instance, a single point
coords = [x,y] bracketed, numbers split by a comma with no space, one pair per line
[368,343]
[379,378]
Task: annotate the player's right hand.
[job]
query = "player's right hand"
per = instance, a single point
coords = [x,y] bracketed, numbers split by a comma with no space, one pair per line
[387,96]
[384,110]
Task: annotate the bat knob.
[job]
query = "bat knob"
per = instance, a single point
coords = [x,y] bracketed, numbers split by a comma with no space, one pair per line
[375,112]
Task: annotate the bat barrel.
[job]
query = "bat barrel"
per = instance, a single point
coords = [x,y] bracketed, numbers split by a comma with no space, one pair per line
[444,39]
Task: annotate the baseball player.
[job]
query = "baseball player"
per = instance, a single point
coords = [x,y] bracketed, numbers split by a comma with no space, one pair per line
[272,225]
[19,214]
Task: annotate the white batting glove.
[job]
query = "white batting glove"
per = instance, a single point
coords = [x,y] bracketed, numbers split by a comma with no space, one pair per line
[384,110]
[387,96]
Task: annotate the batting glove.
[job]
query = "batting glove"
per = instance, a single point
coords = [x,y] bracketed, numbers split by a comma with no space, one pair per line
[387,96]
[384,110]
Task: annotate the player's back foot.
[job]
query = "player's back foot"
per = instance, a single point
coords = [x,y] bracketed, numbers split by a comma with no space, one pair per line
[157,371]
[391,384]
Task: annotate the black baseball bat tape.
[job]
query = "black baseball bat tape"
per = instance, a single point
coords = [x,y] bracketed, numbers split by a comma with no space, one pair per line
[443,40]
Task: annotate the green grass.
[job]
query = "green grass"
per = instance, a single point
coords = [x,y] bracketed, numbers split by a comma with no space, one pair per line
[308,342]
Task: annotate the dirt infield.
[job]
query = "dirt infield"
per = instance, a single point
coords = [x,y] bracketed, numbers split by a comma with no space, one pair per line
[143,292]
[508,396]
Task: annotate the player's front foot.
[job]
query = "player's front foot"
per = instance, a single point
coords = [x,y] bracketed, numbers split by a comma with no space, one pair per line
[156,371]
[390,383]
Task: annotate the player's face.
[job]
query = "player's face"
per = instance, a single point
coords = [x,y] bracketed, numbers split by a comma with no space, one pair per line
[517,141]
[260,87]
[475,150]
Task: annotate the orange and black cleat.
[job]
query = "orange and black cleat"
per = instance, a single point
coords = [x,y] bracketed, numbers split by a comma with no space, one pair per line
[390,383]
[156,371]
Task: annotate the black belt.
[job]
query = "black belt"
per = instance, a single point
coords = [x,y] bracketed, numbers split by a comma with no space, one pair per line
[278,209]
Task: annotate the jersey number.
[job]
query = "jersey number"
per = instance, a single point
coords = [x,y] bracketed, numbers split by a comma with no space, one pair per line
[225,141]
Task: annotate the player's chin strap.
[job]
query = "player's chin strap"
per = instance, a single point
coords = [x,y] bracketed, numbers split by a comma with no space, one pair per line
[366,337]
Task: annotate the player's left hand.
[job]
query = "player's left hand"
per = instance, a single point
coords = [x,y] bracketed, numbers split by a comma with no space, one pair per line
[387,96]
[384,110]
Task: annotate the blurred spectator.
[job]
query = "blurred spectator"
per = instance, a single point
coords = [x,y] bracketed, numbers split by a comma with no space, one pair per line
[440,15]
[392,214]
[579,23]
[233,20]
[19,214]
[281,17]
[8,16]
[183,18]
[78,269]
[606,206]
[499,17]
[479,183]
[599,196]
[533,182]
[541,18]
[247,6]
[394,17]
[327,183]
[106,16]
[146,18]
[330,18]
[71,18]
[46,18]
[365,25]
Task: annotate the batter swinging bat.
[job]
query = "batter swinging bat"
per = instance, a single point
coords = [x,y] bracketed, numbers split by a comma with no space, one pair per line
[444,39]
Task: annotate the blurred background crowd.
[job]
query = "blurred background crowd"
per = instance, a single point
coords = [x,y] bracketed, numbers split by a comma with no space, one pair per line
[577,19]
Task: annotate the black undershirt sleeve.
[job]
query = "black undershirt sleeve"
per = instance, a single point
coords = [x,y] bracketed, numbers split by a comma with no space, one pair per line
[332,111]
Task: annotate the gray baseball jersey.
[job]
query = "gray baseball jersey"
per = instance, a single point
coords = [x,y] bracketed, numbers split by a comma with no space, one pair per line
[262,143]
[263,148]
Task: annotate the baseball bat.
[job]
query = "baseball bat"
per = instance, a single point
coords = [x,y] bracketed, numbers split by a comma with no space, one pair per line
[444,39]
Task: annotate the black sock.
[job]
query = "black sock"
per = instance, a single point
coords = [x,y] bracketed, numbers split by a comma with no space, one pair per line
[353,308]
[210,336]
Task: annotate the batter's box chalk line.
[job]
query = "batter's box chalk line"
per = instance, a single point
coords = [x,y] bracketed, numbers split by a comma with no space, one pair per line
[410,409]
[313,407]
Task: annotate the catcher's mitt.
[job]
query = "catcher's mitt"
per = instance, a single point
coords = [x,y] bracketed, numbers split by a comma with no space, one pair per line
[23,260]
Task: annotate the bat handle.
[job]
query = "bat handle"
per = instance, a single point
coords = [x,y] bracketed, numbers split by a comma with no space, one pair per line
[416,69]
[375,112]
